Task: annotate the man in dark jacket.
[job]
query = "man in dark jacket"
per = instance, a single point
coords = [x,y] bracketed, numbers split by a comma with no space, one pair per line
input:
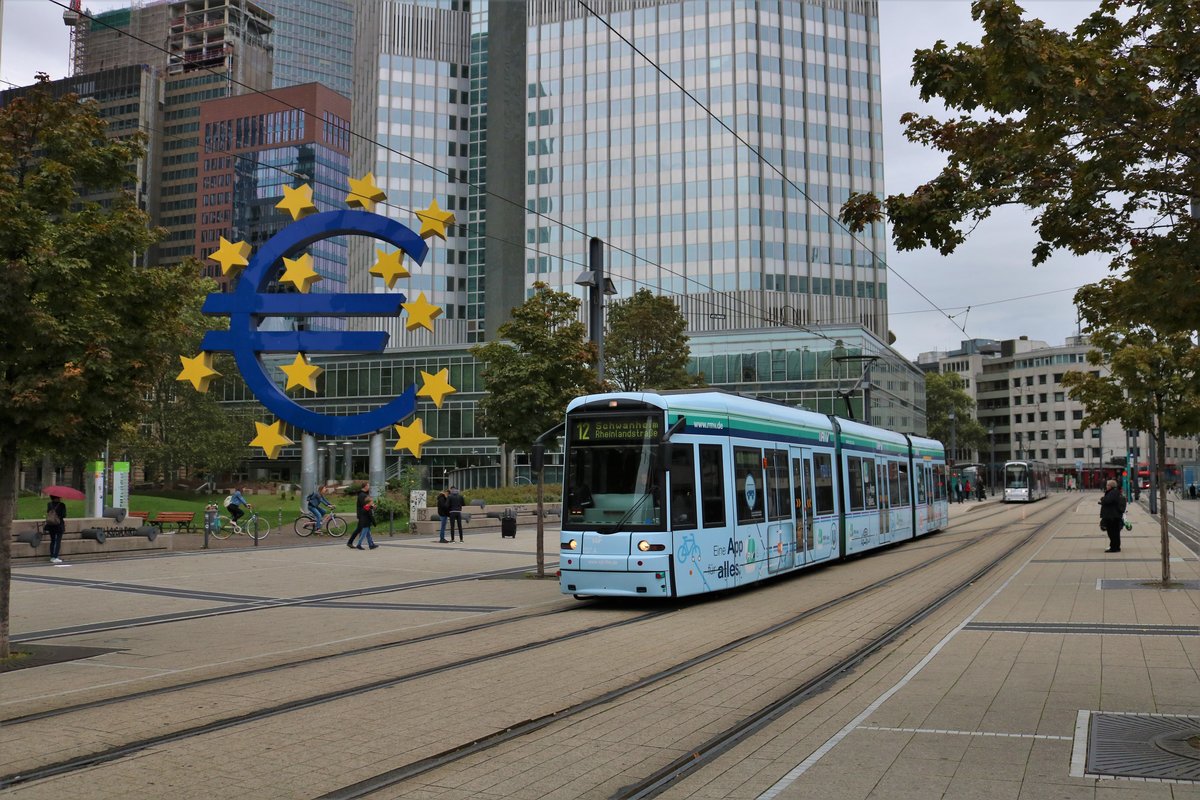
[455,504]
[56,526]
[1112,516]
[366,518]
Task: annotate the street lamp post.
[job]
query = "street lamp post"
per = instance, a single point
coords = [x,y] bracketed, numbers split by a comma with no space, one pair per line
[992,459]
[598,287]
[953,441]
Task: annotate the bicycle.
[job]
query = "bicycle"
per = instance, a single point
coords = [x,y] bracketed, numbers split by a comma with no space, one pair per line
[331,525]
[254,526]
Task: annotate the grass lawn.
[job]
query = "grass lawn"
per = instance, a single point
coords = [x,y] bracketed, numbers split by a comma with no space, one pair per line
[268,505]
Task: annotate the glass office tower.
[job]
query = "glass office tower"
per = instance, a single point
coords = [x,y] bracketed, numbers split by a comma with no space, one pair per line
[733,216]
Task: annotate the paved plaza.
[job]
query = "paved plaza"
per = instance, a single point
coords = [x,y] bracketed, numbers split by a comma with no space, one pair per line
[1000,694]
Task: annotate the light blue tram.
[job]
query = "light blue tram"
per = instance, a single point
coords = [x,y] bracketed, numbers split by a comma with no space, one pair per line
[681,493]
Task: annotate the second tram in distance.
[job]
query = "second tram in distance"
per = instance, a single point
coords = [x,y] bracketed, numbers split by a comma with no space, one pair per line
[681,493]
[1026,481]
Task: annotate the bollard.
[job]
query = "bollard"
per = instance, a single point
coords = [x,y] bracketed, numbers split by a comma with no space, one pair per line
[115,514]
[210,519]
[96,534]
[149,531]
[32,538]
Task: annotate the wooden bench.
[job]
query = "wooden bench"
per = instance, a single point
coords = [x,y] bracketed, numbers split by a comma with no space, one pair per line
[142,516]
[182,520]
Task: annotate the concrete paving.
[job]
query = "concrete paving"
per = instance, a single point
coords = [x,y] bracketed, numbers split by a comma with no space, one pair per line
[993,697]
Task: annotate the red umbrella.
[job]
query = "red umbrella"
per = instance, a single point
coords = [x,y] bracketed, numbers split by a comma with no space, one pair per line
[63,492]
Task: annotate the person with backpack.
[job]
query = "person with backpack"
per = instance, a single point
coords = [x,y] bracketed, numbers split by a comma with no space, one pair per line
[317,503]
[56,526]
[443,510]
[365,508]
[1112,516]
[236,504]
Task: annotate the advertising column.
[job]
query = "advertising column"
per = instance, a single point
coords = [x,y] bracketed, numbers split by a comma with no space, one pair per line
[120,487]
[94,485]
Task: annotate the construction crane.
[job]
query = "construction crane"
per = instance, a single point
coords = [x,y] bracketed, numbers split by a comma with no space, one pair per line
[74,19]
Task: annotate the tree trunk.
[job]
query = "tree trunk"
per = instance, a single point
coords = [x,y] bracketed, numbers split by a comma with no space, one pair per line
[1160,436]
[8,507]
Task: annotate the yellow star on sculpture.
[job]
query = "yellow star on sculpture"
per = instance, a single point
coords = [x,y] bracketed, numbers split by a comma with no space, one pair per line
[198,370]
[300,273]
[436,386]
[364,193]
[421,313]
[297,201]
[232,256]
[412,437]
[389,267]
[301,373]
[434,221]
[270,438]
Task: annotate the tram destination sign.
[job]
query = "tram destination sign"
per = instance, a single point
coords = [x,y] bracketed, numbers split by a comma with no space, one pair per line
[606,430]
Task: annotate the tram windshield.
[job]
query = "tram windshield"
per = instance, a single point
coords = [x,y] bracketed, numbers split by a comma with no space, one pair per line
[613,478]
[1016,476]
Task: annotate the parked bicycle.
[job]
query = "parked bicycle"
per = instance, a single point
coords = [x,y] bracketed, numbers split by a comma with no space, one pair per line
[251,525]
[306,525]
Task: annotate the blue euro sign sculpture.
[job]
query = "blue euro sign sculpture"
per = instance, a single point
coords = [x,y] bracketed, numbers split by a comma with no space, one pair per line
[248,304]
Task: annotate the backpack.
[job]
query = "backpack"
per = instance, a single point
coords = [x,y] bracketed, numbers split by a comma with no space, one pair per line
[52,517]
[314,499]
[228,501]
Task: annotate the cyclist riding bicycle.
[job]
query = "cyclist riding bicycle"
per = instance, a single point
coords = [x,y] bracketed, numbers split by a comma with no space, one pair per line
[236,504]
[317,503]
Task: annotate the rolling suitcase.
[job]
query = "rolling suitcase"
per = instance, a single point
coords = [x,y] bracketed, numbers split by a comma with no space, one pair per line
[508,525]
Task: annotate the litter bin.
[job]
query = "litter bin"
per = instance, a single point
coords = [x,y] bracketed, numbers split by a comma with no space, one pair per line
[508,524]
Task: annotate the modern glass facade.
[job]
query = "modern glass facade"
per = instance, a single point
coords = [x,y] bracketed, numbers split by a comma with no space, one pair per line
[314,42]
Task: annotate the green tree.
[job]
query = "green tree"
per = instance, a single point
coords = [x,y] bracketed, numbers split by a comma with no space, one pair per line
[944,394]
[541,361]
[84,332]
[646,345]
[1094,130]
[1153,380]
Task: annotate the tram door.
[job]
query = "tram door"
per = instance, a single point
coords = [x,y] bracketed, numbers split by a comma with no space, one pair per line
[802,497]
[885,504]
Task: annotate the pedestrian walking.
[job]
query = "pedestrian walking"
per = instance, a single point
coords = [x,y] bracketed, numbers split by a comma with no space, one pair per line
[443,509]
[56,526]
[365,509]
[967,491]
[979,492]
[1112,516]
[454,504]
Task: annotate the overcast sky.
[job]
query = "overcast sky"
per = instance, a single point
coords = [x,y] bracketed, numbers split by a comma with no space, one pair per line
[988,274]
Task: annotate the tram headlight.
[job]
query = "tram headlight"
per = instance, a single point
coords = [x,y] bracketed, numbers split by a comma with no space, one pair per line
[569,545]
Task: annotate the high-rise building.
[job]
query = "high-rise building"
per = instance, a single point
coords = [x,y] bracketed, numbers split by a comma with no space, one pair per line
[213,48]
[723,195]
[253,146]
[314,42]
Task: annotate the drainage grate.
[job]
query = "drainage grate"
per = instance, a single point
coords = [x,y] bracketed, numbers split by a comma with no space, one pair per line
[1145,746]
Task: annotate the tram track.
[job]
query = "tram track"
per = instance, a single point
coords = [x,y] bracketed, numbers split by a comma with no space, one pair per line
[446,758]
[69,765]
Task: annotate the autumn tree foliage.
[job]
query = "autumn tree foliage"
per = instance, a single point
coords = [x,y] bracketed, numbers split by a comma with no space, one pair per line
[84,331]
[646,345]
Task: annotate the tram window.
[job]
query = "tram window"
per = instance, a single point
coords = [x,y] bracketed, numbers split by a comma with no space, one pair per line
[894,483]
[683,486]
[905,496]
[778,493]
[823,466]
[854,483]
[868,473]
[712,485]
[921,477]
[748,484]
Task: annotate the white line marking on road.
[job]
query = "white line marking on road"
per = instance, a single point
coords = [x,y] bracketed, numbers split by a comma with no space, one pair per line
[966,733]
